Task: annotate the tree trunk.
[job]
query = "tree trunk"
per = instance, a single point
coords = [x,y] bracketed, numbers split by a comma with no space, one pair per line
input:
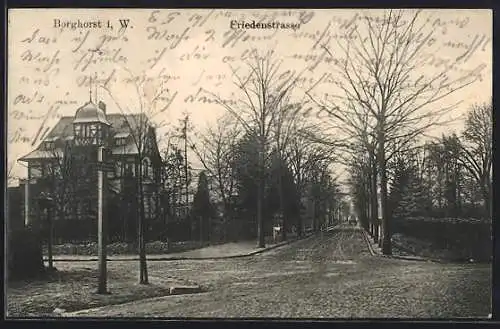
[226,223]
[282,204]
[201,230]
[487,199]
[260,195]
[51,238]
[143,269]
[125,219]
[260,221]
[386,242]
[374,201]
[365,223]
[314,215]
[300,231]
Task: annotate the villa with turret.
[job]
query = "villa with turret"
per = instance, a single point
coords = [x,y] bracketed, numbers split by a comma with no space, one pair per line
[64,166]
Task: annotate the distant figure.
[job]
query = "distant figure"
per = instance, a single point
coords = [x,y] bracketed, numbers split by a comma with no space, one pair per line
[276,233]
[352,220]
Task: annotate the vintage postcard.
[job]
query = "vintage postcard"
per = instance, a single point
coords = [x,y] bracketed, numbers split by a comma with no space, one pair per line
[274,163]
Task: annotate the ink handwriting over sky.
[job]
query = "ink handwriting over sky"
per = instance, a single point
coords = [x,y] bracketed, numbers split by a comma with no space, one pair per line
[184,53]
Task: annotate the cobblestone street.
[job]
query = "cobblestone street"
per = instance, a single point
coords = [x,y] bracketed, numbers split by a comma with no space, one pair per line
[329,275]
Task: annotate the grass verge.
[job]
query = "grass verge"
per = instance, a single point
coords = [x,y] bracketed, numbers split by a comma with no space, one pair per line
[73,287]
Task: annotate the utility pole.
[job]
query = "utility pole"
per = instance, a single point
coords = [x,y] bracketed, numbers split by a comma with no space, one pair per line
[27,201]
[51,233]
[184,135]
[102,289]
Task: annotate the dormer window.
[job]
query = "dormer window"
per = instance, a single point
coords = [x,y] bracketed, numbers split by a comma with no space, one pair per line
[49,143]
[121,139]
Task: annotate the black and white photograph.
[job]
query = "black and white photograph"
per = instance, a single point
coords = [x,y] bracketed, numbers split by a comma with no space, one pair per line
[249,163]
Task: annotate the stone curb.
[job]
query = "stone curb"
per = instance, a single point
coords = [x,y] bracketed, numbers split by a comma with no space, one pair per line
[183,290]
[414,258]
[368,242]
[95,259]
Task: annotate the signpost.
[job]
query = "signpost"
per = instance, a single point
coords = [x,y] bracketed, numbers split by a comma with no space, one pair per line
[101,219]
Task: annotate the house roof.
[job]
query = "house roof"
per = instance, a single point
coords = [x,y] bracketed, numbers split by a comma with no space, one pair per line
[90,112]
[41,154]
[120,126]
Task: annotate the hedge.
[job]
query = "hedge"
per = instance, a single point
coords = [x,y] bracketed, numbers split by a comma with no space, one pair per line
[24,254]
[468,237]
[123,248]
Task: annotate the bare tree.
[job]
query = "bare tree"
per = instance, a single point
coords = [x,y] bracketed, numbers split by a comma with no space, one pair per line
[262,93]
[216,151]
[187,179]
[379,81]
[153,100]
[477,148]
[172,180]
[304,154]
[285,125]
[360,185]
[59,182]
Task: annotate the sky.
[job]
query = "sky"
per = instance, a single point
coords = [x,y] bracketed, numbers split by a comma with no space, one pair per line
[181,58]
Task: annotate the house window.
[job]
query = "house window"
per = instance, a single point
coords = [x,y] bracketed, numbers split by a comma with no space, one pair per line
[53,169]
[129,168]
[146,168]
[93,130]
[35,171]
[99,133]
[118,169]
[66,210]
[152,206]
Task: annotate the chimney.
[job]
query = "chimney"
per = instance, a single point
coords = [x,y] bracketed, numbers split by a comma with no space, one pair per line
[102,106]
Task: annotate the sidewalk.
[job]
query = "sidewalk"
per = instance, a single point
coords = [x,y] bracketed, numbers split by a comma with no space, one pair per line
[222,251]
